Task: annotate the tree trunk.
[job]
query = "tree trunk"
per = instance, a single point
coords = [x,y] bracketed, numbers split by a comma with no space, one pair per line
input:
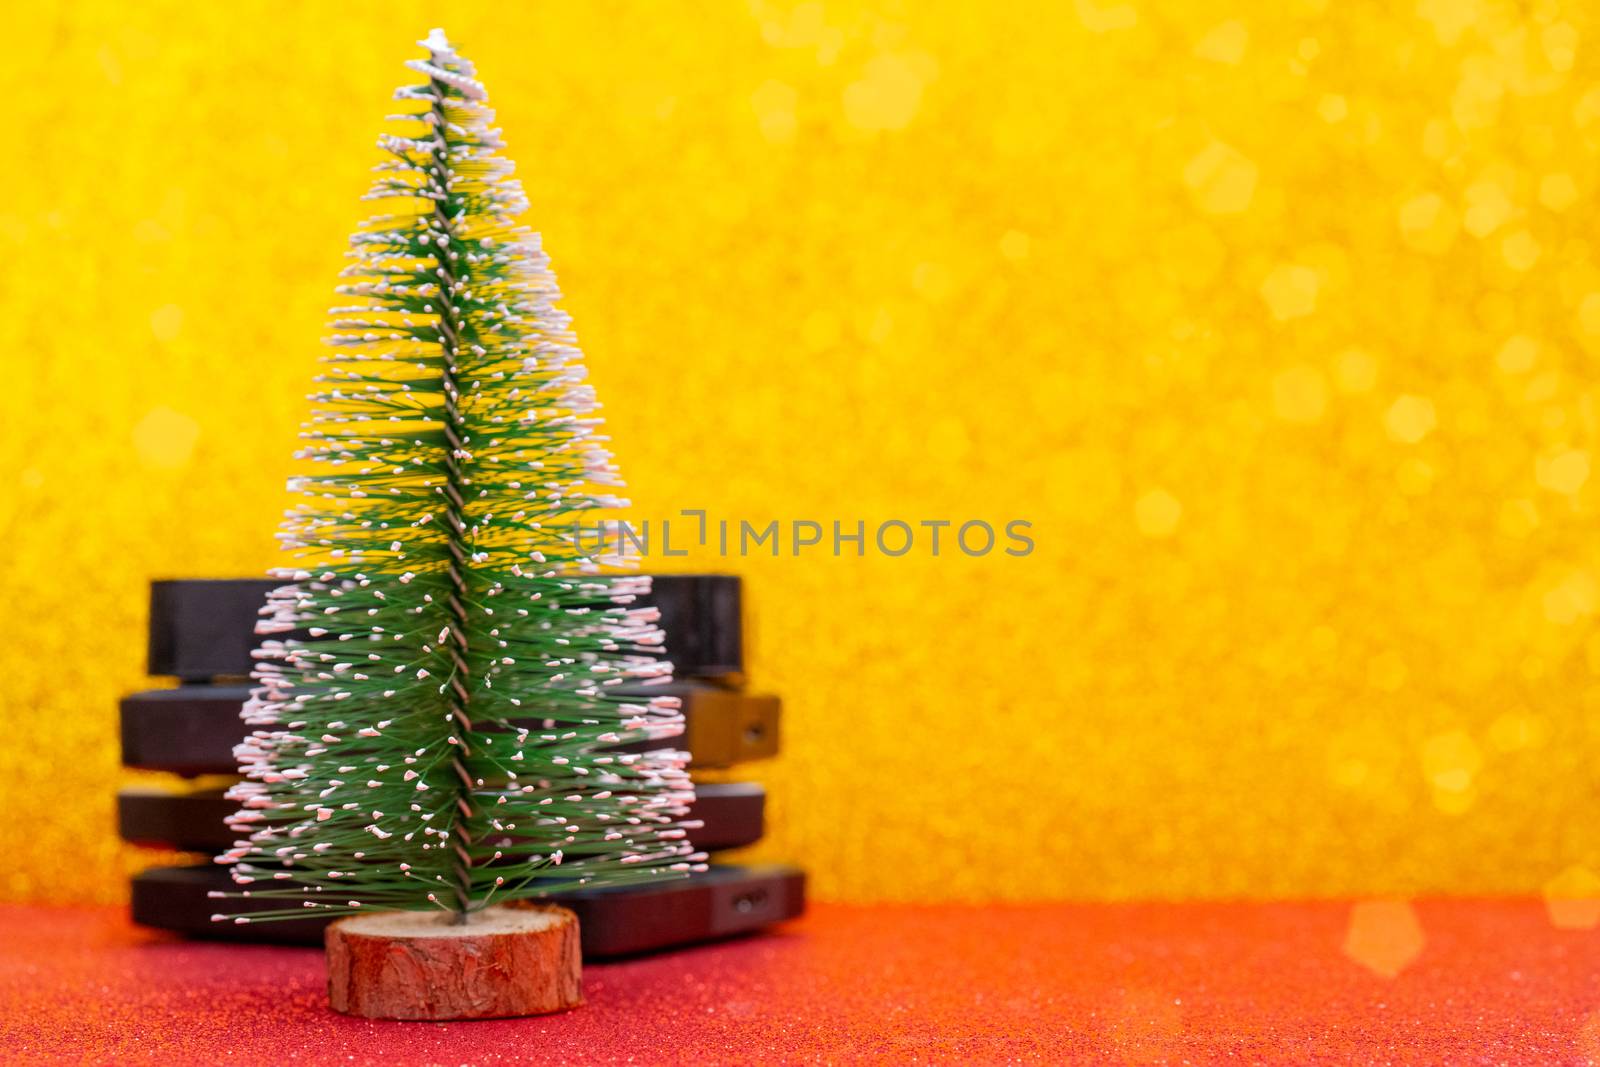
[420,965]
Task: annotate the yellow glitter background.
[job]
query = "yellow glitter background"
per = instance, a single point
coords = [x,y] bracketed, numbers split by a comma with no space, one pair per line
[1274,318]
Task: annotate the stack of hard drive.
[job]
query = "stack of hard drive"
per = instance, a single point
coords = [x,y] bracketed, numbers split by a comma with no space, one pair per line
[203,633]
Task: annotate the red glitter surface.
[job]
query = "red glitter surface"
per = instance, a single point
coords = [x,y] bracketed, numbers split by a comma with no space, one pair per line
[1491,982]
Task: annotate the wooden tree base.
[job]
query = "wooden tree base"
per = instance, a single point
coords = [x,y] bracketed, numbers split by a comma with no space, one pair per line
[417,965]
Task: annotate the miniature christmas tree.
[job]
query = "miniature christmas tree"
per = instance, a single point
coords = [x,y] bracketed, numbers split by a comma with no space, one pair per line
[438,725]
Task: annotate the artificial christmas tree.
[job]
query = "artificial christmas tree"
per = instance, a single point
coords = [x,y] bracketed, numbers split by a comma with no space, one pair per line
[444,732]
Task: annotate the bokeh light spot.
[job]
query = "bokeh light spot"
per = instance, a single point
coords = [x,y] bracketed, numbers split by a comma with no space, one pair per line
[1157,513]
[1014,245]
[1427,224]
[1572,599]
[1520,250]
[1487,208]
[1383,936]
[165,439]
[1225,43]
[1222,180]
[1409,419]
[1517,355]
[889,92]
[1513,731]
[1450,763]
[1333,108]
[1098,18]
[1589,314]
[1387,671]
[1572,899]
[1415,476]
[1290,290]
[166,322]
[1357,371]
[774,104]
[1564,472]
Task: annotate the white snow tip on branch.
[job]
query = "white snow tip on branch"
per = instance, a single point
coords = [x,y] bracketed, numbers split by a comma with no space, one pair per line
[468,87]
[436,41]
